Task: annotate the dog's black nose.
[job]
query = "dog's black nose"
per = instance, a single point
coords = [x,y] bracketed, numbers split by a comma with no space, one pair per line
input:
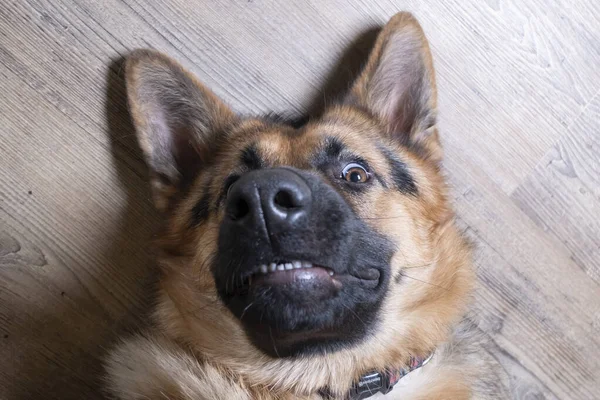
[276,198]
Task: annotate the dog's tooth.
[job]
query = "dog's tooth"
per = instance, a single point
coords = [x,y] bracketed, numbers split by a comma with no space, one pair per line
[264,269]
[280,267]
[297,264]
[306,265]
[273,267]
[289,266]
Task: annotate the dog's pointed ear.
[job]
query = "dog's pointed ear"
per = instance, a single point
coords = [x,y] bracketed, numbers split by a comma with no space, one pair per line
[398,85]
[178,121]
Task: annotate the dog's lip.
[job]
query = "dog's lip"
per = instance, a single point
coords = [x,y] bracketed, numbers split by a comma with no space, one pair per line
[296,276]
[282,272]
[281,266]
[289,271]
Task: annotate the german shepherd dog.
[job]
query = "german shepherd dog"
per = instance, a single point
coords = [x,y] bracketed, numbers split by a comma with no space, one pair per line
[310,261]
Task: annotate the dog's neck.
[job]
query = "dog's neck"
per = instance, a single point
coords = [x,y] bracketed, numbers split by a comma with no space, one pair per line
[339,372]
[375,382]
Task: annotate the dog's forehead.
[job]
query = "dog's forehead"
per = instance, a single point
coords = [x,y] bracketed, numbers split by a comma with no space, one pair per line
[280,144]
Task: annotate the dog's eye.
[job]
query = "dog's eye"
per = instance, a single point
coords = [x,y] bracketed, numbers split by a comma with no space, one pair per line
[355,173]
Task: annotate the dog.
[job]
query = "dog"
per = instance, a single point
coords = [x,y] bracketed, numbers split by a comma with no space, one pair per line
[313,261]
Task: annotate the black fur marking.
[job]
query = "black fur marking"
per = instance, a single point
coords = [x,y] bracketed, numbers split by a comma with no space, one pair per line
[333,147]
[251,158]
[381,181]
[201,209]
[295,122]
[329,153]
[326,393]
[400,175]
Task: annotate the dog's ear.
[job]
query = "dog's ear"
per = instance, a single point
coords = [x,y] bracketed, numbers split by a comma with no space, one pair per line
[398,85]
[178,120]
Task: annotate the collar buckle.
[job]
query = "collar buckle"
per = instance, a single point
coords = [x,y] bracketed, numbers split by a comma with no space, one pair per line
[369,385]
[376,382]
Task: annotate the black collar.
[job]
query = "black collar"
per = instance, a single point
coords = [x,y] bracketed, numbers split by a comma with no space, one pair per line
[382,382]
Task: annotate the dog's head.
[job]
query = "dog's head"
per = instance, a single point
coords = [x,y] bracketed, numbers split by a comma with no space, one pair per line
[289,242]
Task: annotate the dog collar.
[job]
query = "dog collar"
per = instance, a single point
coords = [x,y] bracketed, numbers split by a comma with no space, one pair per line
[383,382]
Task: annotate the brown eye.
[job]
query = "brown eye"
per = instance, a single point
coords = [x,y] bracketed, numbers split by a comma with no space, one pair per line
[355,173]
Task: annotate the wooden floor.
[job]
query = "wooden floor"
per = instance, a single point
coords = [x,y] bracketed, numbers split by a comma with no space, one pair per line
[519,86]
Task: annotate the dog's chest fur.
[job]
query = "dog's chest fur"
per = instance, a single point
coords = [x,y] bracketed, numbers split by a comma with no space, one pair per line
[156,367]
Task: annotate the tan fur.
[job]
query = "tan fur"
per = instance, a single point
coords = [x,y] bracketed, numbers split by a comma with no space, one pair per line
[199,350]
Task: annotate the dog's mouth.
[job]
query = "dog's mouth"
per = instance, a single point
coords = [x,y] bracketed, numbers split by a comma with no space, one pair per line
[285,273]
[303,273]
[289,305]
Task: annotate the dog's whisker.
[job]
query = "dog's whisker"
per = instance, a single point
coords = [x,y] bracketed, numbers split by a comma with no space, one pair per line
[246,309]
[401,273]
[418,266]
[355,314]
[273,341]
[384,218]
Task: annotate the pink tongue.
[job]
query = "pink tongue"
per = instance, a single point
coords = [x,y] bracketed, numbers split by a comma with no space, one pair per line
[293,275]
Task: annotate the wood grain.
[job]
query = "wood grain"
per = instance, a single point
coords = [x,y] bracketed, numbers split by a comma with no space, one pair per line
[520,116]
[562,195]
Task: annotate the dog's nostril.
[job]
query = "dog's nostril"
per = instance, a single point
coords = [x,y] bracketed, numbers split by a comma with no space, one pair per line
[240,209]
[284,199]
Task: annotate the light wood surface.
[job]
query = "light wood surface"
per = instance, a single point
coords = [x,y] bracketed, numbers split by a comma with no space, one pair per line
[519,86]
